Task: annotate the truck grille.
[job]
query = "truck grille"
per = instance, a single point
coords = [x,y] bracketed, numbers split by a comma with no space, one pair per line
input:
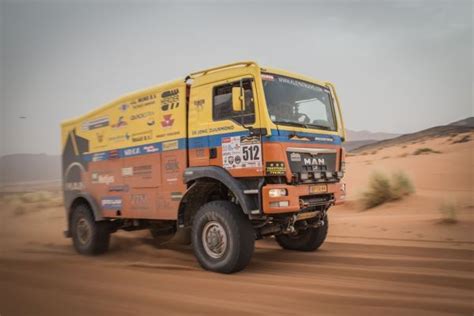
[316,200]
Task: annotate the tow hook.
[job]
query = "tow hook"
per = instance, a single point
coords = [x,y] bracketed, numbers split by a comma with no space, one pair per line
[290,228]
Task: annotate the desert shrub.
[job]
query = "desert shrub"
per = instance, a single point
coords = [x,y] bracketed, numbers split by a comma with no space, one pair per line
[373,152]
[385,157]
[403,155]
[401,185]
[463,139]
[448,212]
[424,151]
[36,197]
[379,191]
[382,189]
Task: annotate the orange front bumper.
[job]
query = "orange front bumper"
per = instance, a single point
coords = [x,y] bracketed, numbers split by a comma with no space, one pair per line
[294,194]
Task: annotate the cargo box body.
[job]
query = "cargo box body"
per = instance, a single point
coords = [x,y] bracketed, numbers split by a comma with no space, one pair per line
[130,154]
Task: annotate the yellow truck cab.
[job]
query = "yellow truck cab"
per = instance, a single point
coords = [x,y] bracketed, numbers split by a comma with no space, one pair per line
[225,156]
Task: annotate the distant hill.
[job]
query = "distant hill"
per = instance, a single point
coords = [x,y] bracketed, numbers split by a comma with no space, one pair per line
[353,136]
[352,145]
[29,167]
[462,126]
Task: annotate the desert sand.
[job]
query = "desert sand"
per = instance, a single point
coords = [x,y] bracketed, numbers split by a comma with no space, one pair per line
[395,259]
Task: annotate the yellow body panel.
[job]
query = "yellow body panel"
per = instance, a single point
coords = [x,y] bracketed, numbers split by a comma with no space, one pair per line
[133,119]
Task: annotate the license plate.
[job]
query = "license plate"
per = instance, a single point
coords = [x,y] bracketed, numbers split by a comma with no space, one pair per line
[320,188]
[306,215]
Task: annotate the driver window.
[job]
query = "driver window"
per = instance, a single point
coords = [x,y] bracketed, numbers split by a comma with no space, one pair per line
[222,103]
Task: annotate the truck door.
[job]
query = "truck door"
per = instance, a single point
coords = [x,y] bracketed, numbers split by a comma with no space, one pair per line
[230,140]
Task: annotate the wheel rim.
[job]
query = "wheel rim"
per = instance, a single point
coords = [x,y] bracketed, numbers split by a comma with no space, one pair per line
[214,239]
[83,231]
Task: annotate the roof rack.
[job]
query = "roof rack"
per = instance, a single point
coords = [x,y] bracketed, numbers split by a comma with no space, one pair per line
[206,71]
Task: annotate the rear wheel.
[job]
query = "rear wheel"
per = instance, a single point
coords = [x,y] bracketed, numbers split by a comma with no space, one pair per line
[89,237]
[223,238]
[309,239]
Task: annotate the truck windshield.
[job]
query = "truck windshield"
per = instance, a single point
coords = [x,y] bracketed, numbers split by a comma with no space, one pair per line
[295,102]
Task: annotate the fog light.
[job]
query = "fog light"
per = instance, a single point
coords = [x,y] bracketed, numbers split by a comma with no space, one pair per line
[279,204]
[304,176]
[328,174]
[277,192]
[340,174]
[317,175]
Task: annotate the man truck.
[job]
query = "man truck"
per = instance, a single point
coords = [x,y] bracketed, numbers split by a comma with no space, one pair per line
[225,156]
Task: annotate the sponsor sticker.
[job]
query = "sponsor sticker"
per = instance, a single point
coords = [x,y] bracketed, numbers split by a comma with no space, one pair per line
[99,156]
[127,172]
[120,123]
[275,168]
[102,178]
[241,152]
[150,149]
[142,136]
[167,121]
[132,152]
[140,116]
[171,145]
[96,123]
[295,157]
[139,201]
[111,202]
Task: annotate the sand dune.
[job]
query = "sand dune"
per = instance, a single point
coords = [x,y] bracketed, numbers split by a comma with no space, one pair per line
[396,259]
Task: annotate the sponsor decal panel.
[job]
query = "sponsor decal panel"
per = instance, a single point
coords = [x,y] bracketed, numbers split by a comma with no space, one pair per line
[140,116]
[170,100]
[114,154]
[143,101]
[127,172]
[99,156]
[171,145]
[111,202]
[123,107]
[101,177]
[176,196]
[96,123]
[295,157]
[129,152]
[142,136]
[241,152]
[199,104]
[143,171]
[118,188]
[151,149]
[275,168]
[74,186]
[120,123]
[168,121]
[139,201]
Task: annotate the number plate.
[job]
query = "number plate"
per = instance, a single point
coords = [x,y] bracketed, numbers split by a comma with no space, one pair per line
[306,215]
[320,188]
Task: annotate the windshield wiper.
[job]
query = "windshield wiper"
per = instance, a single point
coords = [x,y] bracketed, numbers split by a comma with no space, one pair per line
[326,128]
[291,123]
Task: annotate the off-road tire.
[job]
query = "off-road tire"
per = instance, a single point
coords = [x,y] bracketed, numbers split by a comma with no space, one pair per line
[239,233]
[98,241]
[309,239]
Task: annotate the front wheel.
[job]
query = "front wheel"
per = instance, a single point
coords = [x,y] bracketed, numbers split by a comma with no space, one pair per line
[309,239]
[223,238]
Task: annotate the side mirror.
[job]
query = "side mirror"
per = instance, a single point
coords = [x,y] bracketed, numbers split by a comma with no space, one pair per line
[238,99]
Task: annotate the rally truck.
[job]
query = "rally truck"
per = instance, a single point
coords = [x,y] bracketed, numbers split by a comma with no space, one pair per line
[225,156]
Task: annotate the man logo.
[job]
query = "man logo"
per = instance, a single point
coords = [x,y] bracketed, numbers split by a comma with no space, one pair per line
[314,161]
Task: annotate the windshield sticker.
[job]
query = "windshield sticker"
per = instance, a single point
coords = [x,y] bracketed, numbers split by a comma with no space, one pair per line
[241,152]
[267,77]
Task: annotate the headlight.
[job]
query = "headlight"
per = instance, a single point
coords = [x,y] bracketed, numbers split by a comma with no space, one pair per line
[279,204]
[277,192]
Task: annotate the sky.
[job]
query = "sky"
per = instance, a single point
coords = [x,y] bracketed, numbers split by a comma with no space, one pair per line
[399,66]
